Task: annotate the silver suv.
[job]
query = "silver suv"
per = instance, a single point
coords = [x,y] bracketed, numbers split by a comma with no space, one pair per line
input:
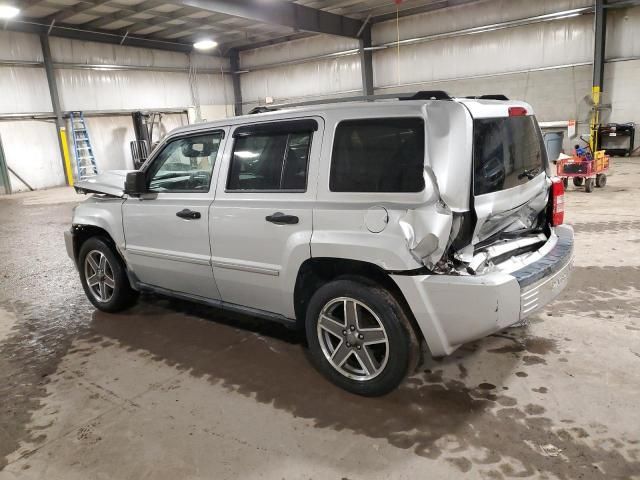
[374,226]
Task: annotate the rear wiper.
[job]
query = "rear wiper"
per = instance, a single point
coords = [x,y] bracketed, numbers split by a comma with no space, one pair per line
[530,174]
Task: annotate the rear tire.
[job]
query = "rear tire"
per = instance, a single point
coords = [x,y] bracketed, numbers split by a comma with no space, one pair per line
[565,182]
[578,181]
[103,276]
[601,180]
[588,185]
[360,337]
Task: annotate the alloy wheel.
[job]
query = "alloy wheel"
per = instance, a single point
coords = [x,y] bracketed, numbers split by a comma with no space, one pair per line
[99,276]
[353,339]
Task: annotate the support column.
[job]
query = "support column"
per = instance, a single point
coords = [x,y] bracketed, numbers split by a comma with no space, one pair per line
[55,102]
[234,60]
[598,69]
[366,61]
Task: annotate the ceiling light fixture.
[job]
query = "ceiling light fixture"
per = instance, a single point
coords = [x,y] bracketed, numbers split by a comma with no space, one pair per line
[205,44]
[7,11]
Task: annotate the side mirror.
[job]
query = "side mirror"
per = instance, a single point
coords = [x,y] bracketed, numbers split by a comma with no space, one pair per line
[135,183]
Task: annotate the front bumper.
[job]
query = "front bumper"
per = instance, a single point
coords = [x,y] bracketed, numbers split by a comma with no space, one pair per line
[452,310]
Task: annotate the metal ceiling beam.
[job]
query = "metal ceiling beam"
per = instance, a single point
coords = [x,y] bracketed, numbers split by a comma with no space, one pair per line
[168,30]
[226,41]
[35,26]
[243,45]
[439,4]
[286,14]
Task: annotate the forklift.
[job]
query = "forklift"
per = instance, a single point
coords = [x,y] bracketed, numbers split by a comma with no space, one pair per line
[143,124]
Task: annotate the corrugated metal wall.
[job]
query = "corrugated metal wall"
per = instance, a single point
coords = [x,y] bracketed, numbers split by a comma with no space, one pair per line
[31,150]
[547,63]
[164,84]
[324,78]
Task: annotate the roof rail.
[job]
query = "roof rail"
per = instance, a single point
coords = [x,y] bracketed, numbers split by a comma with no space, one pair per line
[428,95]
[255,110]
[497,96]
[420,95]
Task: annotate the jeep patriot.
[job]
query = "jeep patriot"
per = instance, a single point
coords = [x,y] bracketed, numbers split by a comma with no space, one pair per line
[375,226]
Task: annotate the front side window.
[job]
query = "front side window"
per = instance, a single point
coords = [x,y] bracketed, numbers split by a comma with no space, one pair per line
[186,164]
[378,155]
[270,161]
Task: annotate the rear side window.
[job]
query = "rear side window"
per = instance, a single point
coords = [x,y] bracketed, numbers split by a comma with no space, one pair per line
[378,155]
[270,161]
[507,152]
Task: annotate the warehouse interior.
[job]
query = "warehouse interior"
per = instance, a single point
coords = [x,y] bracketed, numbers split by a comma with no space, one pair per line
[173,390]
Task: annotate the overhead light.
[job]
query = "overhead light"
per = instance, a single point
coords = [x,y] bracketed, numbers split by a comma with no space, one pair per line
[205,44]
[7,11]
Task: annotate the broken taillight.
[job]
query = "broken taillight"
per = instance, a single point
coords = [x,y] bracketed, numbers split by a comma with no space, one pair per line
[556,201]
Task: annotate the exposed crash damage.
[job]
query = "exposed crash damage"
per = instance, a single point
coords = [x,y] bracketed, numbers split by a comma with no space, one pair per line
[426,228]
[108,183]
[434,234]
[327,216]
[506,217]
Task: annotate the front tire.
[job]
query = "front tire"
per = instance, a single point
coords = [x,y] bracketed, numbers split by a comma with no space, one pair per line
[103,276]
[360,338]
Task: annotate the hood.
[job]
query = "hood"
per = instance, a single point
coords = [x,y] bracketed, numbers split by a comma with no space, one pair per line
[109,183]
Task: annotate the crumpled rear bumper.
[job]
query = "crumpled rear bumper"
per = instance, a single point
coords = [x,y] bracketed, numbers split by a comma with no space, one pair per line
[452,310]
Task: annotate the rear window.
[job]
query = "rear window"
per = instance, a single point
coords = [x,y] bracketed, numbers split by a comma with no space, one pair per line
[378,155]
[507,152]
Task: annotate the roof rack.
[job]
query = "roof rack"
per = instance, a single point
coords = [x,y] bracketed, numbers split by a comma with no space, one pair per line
[428,95]
[421,95]
[497,96]
[255,110]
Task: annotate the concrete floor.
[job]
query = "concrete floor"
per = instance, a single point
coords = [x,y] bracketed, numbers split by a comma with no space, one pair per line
[173,391]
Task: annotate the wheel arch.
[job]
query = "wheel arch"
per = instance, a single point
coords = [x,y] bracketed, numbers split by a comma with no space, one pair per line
[83,232]
[317,271]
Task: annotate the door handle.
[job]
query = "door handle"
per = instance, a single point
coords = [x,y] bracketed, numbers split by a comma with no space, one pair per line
[188,214]
[280,218]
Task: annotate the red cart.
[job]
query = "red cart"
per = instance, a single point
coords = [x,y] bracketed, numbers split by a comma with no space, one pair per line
[585,171]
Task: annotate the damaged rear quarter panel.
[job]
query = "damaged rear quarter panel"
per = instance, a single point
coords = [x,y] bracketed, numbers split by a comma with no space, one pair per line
[450,152]
[418,224]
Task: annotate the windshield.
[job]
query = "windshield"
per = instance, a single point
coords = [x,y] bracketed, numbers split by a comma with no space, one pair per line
[507,152]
